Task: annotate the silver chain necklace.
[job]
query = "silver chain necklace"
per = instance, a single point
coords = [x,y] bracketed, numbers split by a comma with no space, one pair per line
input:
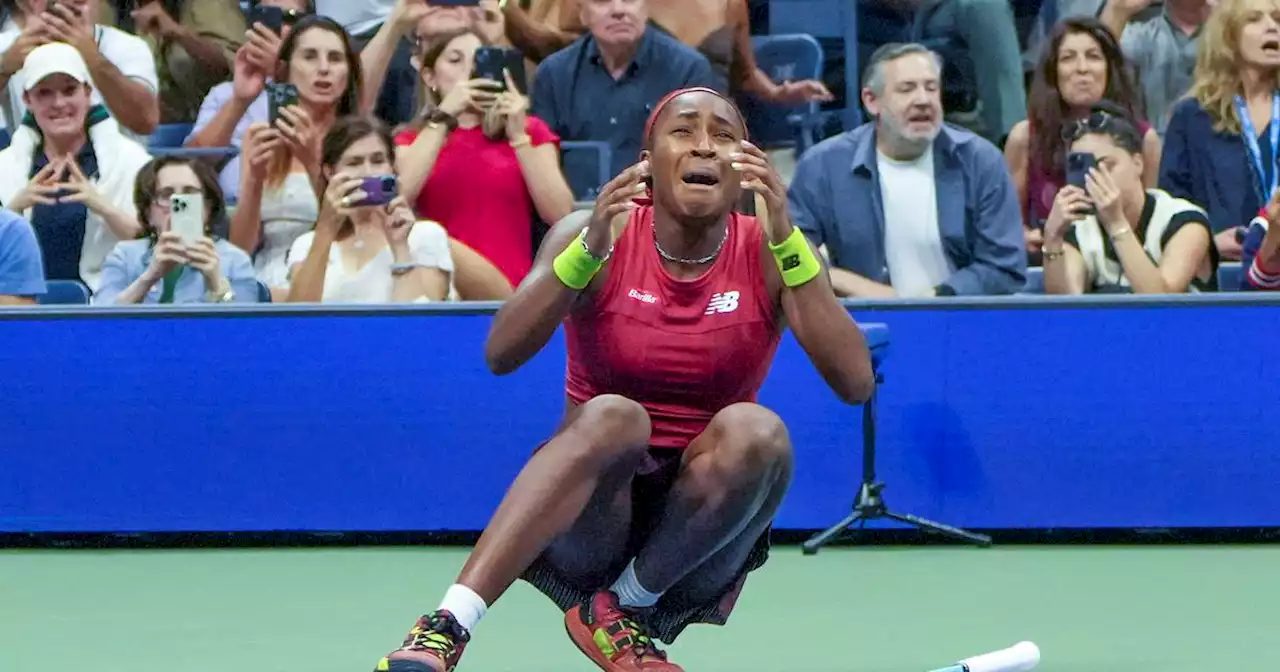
[692,262]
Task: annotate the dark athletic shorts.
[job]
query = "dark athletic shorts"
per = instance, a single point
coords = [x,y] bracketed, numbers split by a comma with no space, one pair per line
[648,495]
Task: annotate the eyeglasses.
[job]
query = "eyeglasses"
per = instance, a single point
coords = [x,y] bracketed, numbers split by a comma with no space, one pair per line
[1096,122]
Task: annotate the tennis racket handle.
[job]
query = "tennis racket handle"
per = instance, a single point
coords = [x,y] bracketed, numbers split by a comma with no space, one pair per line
[1020,657]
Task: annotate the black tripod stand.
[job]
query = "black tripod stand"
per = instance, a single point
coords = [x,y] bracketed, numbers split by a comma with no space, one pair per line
[870,506]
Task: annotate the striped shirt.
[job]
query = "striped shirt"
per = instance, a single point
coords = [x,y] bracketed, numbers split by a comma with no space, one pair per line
[1162,217]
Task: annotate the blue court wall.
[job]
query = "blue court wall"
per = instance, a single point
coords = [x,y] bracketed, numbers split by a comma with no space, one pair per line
[1107,412]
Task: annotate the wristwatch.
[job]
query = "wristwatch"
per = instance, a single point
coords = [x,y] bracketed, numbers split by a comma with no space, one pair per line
[224,294]
[439,116]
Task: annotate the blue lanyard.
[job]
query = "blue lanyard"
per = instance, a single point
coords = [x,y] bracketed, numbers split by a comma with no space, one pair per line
[1254,152]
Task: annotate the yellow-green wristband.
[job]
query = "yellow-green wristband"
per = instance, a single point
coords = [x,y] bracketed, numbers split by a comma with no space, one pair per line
[796,259]
[575,266]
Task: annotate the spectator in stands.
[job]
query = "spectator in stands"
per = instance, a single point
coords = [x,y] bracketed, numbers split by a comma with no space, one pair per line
[1082,65]
[1115,236]
[943,212]
[121,65]
[281,179]
[719,29]
[69,169]
[1261,258]
[477,163]
[367,254]
[1162,48]
[21,268]
[194,42]
[363,19]
[412,21]
[1221,141]
[160,268]
[231,107]
[989,40]
[603,86]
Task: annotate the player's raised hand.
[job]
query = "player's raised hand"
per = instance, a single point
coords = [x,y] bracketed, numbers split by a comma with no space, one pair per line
[616,197]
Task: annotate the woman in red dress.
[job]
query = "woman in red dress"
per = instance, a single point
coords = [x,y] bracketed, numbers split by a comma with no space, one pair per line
[651,503]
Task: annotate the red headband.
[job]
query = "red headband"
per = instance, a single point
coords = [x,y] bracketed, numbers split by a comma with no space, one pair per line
[657,109]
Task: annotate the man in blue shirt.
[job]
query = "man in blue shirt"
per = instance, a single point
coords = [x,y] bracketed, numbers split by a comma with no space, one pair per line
[907,205]
[603,86]
[21,267]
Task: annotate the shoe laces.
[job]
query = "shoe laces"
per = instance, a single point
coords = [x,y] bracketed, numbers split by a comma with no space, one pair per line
[632,633]
[437,633]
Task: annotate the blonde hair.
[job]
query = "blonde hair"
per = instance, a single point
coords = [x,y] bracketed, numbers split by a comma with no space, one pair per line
[1218,76]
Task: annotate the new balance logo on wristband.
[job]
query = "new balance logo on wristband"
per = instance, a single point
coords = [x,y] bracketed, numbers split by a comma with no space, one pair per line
[790,261]
[723,302]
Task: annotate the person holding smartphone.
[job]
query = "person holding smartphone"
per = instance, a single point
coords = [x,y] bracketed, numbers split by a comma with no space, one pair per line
[178,259]
[367,246]
[231,107]
[319,82]
[1106,233]
[476,161]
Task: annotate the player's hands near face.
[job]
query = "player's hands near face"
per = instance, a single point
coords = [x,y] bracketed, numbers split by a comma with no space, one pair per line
[617,197]
[758,175]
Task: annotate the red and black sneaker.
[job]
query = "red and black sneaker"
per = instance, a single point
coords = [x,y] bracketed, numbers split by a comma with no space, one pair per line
[613,639]
[433,645]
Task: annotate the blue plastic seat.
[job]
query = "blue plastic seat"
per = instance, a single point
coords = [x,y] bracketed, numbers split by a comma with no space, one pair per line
[169,136]
[785,58]
[65,293]
[1230,276]
[588,165]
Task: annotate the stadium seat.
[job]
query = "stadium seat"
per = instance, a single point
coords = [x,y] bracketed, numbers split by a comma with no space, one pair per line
[1230,276]
[586,175]
[169,136]
[65,293]
[783,58]
[1035,281]
[195,152]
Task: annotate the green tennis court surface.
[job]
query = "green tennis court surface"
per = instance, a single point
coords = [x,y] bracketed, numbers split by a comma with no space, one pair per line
[1122,609]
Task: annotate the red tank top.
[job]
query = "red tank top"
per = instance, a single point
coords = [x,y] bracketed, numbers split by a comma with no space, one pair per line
[683,349]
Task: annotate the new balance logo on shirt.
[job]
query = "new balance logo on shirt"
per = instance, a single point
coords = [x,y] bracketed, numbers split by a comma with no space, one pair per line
[723,302]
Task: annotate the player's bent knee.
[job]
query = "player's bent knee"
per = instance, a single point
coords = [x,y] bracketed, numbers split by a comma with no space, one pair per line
[754,437]
[615,423]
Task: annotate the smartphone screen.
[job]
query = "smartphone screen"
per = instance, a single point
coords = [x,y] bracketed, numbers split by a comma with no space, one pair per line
[280,96]
[186,217]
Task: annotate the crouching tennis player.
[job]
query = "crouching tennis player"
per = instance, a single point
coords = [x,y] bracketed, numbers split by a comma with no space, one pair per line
[652,502]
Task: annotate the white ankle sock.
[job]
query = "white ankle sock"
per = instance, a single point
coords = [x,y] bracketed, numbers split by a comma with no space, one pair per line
[629,591]
[465,605]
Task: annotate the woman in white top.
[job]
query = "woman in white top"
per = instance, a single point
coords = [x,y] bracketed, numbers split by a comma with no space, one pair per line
[373,253]
[1139,241]
[280,174]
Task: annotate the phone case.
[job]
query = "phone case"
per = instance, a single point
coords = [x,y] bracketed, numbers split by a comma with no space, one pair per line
[186,218]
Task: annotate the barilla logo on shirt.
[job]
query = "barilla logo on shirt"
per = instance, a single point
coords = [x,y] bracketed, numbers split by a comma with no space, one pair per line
[723,302]
[643,297]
